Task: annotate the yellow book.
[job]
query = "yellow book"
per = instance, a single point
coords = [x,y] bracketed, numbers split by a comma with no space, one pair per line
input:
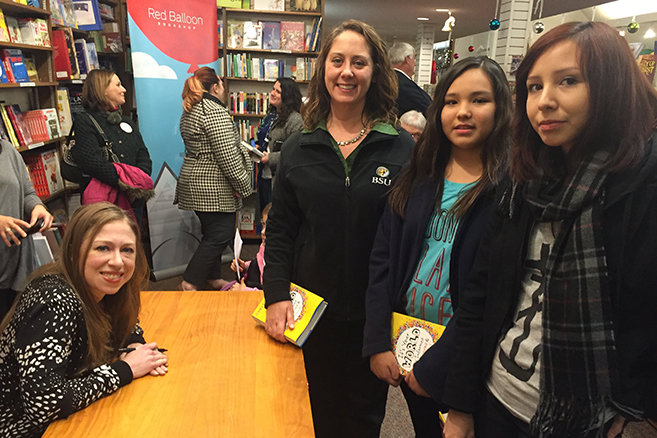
[308,308]
[411,337]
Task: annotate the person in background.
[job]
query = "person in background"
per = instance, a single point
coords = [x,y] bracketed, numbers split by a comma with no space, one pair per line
[556,334]
[330,192]
[429,235]
[19,205]
[410,96]
[102,97]
[413,122]
[282,120]
[214,177]
[60,342]
[251,271]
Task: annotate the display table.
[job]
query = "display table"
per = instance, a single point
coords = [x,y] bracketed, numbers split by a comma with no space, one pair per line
[226,377]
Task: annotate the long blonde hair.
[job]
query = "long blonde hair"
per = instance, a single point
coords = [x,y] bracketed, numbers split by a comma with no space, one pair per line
[202,81]
[110,322]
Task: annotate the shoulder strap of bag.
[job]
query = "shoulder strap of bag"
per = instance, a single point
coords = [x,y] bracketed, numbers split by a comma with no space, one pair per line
[108,144]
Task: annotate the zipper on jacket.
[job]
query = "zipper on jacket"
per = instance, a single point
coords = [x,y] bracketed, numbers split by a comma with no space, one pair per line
[347,181]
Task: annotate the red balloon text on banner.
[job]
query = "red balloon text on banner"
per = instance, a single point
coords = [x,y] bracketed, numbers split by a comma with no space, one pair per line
[184,30]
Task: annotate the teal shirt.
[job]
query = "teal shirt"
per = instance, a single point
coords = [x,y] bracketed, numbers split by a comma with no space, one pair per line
[428,296]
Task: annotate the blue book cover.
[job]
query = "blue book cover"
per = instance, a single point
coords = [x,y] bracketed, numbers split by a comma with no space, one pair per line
[17,65]
[87,14]
[82,59]
[3,74]
[271,35]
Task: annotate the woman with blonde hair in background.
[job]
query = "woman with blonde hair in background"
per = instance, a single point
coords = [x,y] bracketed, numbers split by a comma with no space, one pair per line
[214,177]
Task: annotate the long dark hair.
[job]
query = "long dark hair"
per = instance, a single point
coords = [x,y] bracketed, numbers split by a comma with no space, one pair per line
[290,100]
[432,152]
[622,103]
[382,94]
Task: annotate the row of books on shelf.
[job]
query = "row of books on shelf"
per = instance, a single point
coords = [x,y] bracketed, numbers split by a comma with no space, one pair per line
[26,30]
[73,58]
[243,65]
[23,129]
[247,129]
[248,103]
[14,67]
[272,5]
[292,36]
[44,172]
[109,39]
[82,14]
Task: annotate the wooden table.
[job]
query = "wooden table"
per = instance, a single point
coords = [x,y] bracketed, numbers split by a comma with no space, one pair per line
[226,377]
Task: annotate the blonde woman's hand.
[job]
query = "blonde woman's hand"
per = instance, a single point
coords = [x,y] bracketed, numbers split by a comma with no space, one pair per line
[146,359]
[384,366]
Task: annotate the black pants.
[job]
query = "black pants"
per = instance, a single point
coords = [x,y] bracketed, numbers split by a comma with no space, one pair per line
[493,420]
[424,413]
[264,192]
[346,398]
[7,297]
[218,231]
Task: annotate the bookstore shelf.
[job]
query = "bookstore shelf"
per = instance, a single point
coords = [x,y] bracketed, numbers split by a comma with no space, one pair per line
[28,84]
[112,3]
[264,81]
[57,194]
[274,52]
[281,13]
[7,44]
[37,145]
[75,30]
[12,8]
[260,116]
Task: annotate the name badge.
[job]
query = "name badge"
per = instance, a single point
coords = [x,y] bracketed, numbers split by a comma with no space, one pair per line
[126,127]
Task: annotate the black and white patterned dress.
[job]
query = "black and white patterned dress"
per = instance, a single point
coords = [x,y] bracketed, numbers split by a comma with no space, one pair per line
[42,351]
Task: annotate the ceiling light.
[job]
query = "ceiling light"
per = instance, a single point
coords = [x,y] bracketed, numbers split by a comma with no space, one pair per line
[622,33]
[442,10]
[649,33]
[422,18]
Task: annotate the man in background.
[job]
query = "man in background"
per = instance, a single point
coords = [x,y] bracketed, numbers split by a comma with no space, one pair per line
[414,122]
[411,96]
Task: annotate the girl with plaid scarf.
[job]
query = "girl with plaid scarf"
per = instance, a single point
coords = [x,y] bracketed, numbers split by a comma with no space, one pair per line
[556,333]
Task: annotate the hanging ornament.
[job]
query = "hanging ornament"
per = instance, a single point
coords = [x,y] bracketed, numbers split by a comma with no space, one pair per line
[633,27]
[471,49]
[539,27]
[494,24]
[456,56]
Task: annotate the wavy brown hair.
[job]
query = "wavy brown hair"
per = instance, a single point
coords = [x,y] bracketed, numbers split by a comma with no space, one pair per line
[622,103]
[433,150]
[93,91]
[382,94]
[201,82]
[110,322]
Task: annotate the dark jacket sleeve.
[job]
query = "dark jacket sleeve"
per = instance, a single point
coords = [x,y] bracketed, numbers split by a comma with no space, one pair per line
[283,227]
[379,303]
[465,371]
[88,152]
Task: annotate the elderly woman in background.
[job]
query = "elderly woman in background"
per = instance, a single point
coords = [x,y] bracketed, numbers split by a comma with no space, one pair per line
[102,97]
[214,177]
[414,122]
[283,120]
[60,342]
[330,192]
[19,202]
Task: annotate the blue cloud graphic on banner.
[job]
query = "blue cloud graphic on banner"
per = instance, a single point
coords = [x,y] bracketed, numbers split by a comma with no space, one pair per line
[145,66]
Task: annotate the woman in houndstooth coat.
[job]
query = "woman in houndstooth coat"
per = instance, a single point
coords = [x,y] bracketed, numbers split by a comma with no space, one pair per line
[214,177]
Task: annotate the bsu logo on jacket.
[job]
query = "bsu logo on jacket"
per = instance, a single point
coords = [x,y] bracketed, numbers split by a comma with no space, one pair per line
[381,176]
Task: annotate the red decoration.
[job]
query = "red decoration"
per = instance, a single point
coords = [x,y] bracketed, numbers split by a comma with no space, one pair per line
[456,56]
[471,49]
[176,28]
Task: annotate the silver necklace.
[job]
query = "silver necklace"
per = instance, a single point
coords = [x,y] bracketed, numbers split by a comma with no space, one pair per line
[353,140]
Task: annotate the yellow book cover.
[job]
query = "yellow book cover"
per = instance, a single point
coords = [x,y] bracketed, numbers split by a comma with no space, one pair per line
[411,337]
[4,32]
[9,127]
[308,308]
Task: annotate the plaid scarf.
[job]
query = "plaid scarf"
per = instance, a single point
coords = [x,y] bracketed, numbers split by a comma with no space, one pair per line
[579,371]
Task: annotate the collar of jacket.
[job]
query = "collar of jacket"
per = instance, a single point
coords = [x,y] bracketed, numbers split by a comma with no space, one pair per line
[214,99]
[320,134]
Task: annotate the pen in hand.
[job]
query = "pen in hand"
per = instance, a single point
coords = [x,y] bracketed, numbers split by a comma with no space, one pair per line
[128,350]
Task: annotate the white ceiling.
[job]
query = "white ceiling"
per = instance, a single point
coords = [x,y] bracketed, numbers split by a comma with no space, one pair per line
[397,19]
